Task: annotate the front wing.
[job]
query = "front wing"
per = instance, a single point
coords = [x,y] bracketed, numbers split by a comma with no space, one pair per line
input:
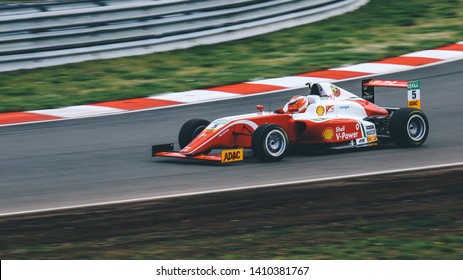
[167,150]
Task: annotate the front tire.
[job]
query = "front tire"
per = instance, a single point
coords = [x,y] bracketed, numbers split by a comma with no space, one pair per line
[409,127]
[190,130]
[269,143]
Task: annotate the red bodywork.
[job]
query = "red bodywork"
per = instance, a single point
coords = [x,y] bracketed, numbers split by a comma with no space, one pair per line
[238,133]
[325,122]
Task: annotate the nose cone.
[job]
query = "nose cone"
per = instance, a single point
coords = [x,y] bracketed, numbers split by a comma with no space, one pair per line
[197,145]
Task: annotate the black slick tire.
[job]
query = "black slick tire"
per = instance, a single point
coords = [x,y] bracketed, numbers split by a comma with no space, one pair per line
[190,130]
[409,127]
[269,143]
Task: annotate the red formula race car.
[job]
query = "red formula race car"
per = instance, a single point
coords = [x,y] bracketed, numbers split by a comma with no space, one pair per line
[328,116]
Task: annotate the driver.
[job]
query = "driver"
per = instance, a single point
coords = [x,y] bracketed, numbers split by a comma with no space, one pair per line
[297,104]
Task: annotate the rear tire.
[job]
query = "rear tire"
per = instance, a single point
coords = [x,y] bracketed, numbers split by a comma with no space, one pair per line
[190,130]
[409,127]
[269,143]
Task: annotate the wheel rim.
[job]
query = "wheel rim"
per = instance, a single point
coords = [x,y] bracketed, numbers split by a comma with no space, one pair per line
[275,143]
[416,128]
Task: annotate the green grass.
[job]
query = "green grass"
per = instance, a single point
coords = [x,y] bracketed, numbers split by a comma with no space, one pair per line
[400,237]
[307,242]
[380,29]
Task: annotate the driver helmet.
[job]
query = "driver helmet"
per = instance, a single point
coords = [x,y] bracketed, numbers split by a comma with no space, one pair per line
[297,104]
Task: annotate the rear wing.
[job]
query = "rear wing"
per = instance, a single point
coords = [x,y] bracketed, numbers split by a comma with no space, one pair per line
[413,90]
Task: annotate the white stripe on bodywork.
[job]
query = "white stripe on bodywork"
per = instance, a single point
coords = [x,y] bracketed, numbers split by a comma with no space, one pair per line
[247,122]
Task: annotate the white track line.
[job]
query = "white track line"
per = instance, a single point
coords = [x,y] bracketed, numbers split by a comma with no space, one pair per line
[143,199]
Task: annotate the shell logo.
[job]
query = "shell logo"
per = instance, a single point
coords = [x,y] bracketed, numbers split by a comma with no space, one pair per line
[320,110]
[328,134]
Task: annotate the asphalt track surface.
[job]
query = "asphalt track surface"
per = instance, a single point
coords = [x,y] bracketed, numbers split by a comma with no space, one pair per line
[93,160]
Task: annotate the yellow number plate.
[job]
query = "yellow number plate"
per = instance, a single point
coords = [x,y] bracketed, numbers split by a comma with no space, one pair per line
[232,155]
[414,104]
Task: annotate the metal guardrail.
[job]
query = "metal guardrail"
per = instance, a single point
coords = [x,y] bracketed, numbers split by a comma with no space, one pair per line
[115,28]
[37,6]
[118,24]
